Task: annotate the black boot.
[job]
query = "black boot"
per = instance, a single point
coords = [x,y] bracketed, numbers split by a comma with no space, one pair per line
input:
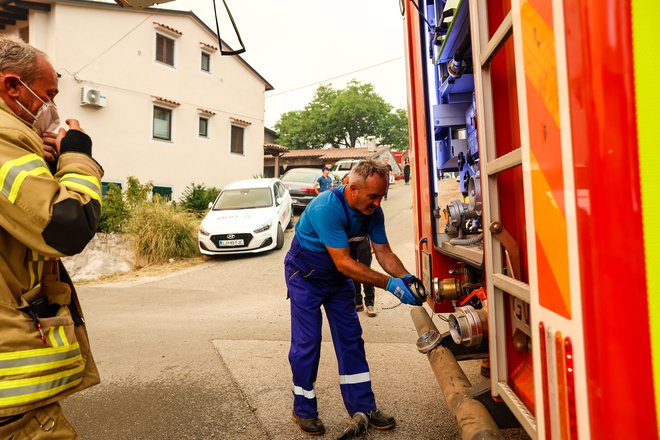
[309,426]
[381,421]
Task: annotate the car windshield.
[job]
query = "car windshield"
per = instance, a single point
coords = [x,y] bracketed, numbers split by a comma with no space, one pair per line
[245,198]
[300,176]
[345,166]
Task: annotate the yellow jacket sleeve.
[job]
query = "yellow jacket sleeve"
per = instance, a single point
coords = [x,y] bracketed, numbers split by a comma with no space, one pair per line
[53,215]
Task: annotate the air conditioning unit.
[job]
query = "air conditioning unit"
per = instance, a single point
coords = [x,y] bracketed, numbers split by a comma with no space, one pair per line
[92,97]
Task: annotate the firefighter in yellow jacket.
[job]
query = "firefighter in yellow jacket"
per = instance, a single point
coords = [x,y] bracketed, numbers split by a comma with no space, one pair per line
[46,211]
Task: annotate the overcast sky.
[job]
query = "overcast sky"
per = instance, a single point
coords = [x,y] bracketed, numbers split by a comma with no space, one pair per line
[295,43]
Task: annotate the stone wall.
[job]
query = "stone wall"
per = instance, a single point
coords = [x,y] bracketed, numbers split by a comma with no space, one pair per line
[106,254]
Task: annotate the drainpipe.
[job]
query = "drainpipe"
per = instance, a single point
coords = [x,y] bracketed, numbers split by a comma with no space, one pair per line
[473,419]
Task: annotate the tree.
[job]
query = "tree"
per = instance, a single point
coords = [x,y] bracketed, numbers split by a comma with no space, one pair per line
[340,118]
[395,130]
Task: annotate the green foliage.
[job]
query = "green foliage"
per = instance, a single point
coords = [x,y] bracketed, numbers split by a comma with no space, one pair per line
[137,193]
[395,130]
[340,118]
[114,212]
[196,198]
[162,232]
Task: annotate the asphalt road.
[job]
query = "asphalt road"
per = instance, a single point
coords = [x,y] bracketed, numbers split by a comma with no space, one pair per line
[202,354]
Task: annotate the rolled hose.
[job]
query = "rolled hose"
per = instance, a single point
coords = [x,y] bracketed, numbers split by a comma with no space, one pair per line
[467,241]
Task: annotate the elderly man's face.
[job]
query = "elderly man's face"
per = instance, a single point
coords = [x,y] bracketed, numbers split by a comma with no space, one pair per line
[45,87]
[367,197]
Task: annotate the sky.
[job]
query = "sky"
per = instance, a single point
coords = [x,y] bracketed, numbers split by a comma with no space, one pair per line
[296,45]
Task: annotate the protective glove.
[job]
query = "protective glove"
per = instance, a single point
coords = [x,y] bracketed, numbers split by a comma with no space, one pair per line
[408,289]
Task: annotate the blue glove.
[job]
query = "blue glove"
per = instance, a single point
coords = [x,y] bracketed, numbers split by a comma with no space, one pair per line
[402,288]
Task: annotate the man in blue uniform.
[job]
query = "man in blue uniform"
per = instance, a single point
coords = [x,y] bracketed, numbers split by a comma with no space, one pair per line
[318,271]
[324,182]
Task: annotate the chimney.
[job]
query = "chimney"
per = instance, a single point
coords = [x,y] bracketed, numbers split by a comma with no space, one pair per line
[371,143]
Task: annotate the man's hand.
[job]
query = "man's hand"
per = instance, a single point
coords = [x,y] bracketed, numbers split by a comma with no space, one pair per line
[403,288]
[73,125]
[51,149]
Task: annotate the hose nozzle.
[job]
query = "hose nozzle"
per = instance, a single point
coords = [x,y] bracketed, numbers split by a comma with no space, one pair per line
[358,425]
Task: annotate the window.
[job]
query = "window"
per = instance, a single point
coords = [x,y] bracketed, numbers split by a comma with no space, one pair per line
[24,34]
[164,192]
[105,187]
[162,123]
[206,62]
[164,49]
[203,127]
[237,139]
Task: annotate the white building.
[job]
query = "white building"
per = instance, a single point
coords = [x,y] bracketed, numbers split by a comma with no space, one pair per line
[151,88]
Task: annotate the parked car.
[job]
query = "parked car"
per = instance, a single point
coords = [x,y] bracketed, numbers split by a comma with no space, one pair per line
[343,167]
[248,216]
[300,182]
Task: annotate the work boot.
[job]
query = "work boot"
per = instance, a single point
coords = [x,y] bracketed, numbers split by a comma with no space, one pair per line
[371,311]
[359,307]
[381,421]
[309,426]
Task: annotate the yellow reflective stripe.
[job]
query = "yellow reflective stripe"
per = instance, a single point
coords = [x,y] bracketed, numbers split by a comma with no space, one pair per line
[16,163]
[82,188]
[20,177]
[41,367]
[28,390]
[63,337]
[47,359]
[51,337]
[23,354]
[91,179]
[57,336]
[645,16]
[36,269]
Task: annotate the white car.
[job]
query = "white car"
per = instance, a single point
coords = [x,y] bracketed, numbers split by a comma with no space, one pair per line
[248,216]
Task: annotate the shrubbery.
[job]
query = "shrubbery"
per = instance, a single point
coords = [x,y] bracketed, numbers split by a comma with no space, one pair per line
[114,212]
[162,232]
[196,198]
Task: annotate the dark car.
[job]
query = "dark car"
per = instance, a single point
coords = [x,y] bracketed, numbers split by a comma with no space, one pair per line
[300,182]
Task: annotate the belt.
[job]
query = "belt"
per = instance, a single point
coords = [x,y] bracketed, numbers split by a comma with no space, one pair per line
[11,419]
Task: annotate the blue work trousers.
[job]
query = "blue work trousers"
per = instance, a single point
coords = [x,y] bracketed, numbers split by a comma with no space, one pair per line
[313,281]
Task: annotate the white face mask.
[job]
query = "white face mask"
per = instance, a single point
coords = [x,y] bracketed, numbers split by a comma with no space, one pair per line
[46,119]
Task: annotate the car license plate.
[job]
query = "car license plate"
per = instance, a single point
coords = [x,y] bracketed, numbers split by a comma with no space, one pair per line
[222,243]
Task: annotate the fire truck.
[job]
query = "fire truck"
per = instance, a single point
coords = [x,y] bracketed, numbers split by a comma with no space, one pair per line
[534,146]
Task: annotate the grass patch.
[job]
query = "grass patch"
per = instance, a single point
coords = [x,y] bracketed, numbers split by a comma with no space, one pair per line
[161,232]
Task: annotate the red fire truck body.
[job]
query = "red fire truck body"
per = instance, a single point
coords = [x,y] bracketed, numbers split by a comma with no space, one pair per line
[532,124]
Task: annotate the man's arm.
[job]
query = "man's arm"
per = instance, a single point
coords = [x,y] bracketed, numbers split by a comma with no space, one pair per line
[356,270]
[388,260]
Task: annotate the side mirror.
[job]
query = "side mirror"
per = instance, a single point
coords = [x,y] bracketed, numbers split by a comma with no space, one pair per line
[279,201]
[210,205]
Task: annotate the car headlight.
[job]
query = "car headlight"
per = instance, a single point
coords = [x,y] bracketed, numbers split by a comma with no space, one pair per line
[203,232]
[266,226]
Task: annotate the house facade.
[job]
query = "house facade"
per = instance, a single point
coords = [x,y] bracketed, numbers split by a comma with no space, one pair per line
[153,91]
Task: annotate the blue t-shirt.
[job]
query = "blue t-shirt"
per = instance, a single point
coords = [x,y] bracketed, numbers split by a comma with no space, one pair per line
[323,223]
[325,183]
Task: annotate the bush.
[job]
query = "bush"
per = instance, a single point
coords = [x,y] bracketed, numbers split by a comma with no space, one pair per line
[137,193]
[196,198]
[114,212]
[163,233]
